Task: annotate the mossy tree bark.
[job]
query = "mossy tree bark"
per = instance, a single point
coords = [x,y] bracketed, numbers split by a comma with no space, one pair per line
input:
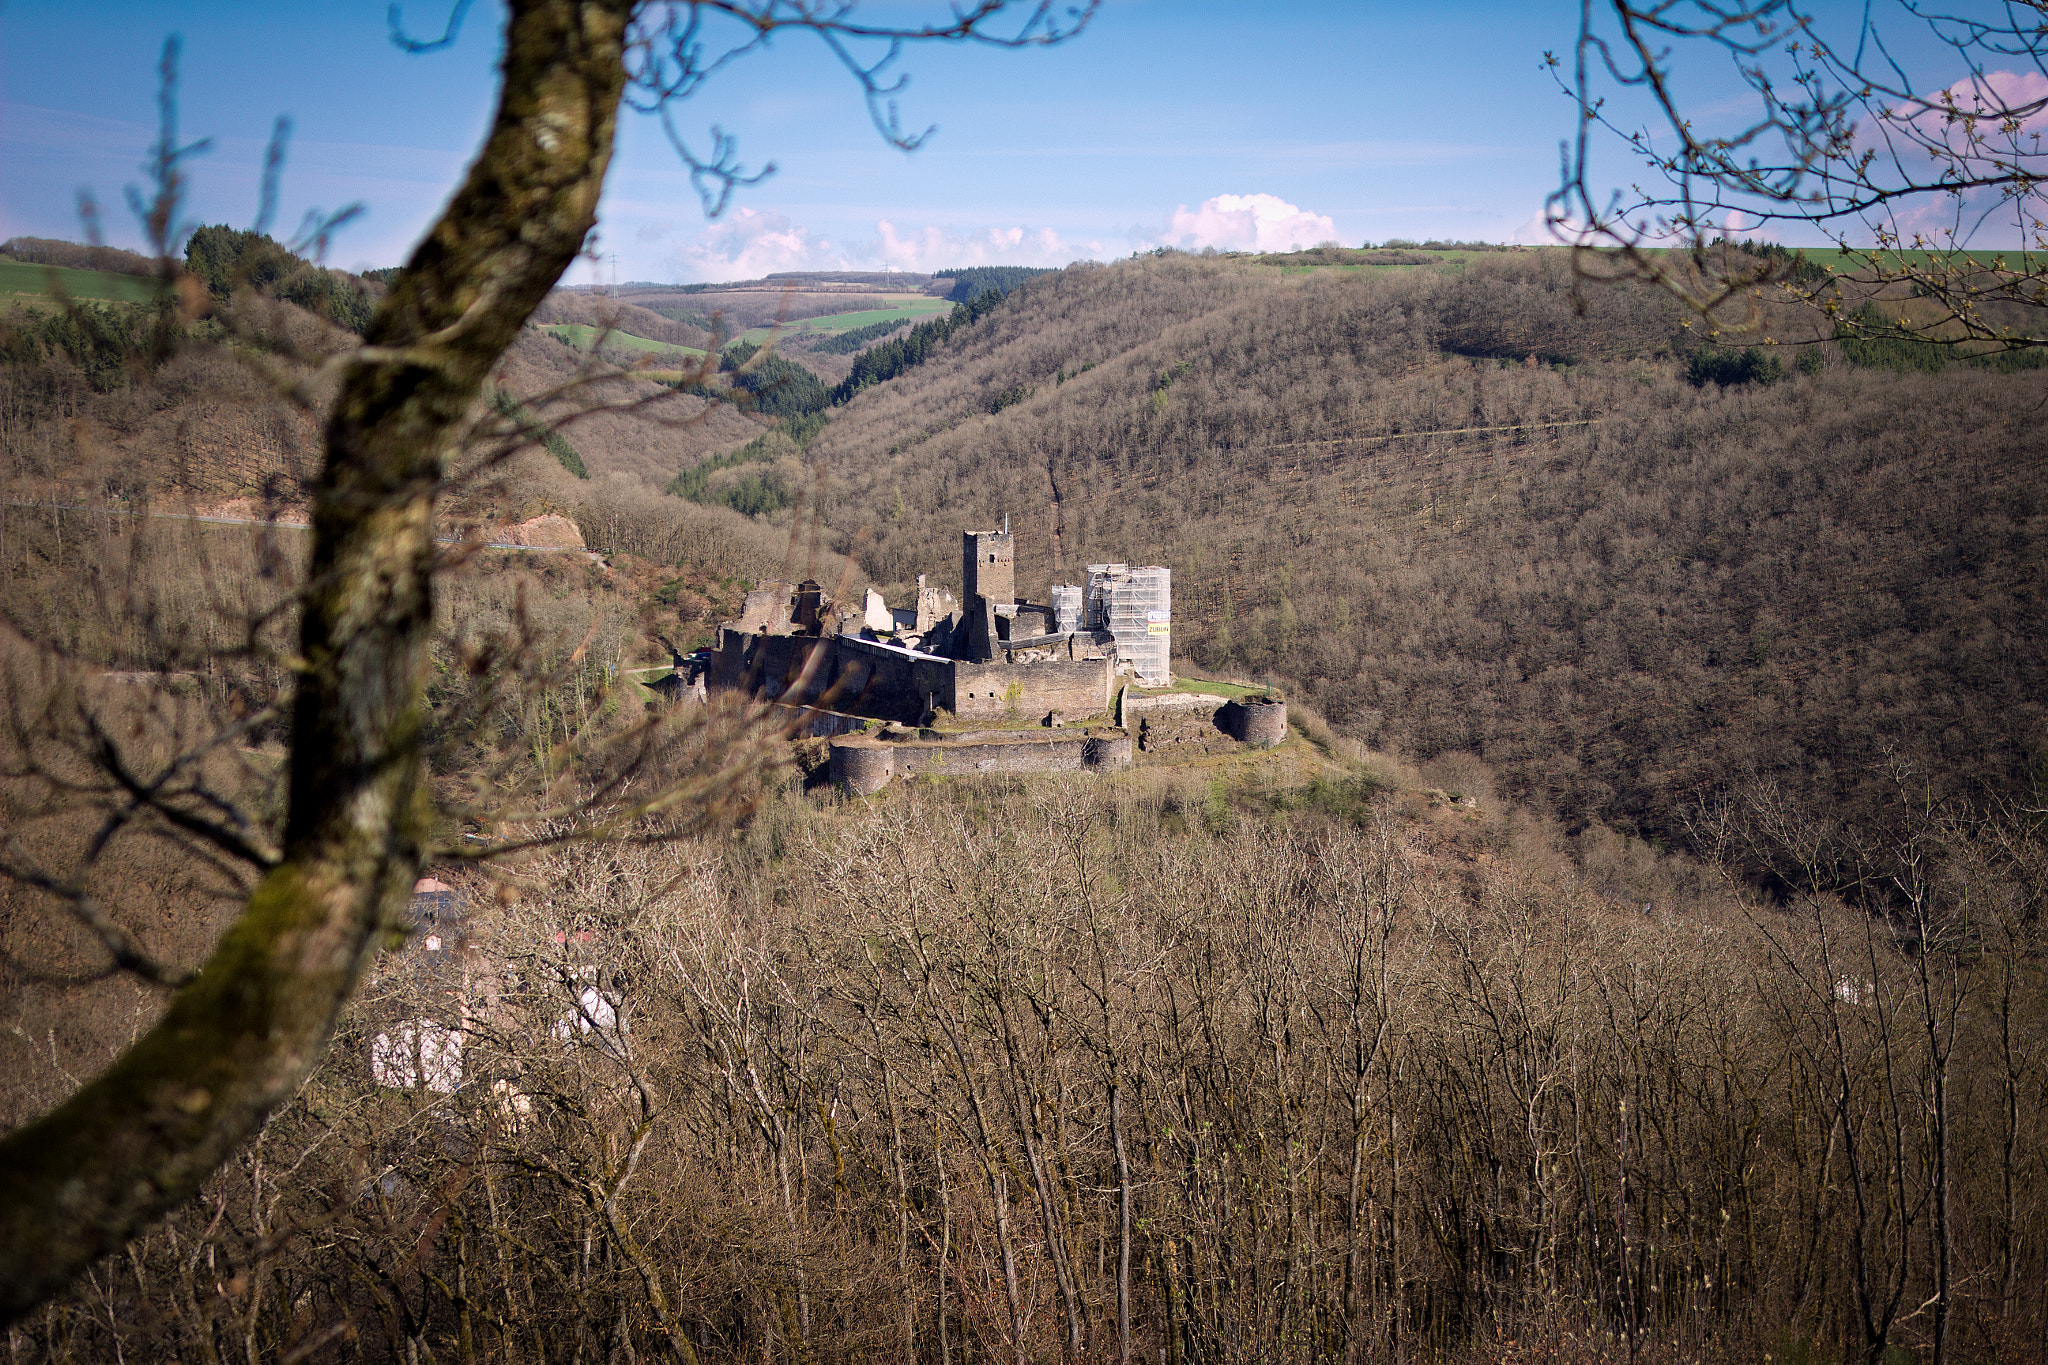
[143,1136]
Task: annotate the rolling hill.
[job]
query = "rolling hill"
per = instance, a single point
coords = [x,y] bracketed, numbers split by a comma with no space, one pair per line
[1460,518]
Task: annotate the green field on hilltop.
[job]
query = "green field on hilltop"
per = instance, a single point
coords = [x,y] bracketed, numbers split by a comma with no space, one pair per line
[20,281]
[1368,260]
[1855,260]
[907,308]
[582,334]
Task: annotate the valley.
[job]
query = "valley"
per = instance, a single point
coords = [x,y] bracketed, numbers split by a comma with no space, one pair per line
[1643,831]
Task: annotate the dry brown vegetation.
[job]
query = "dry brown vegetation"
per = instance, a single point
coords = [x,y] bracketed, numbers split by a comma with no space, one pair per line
[1239,1062]
[1458,517]
[765,302]
[205,429]
[1160,1068]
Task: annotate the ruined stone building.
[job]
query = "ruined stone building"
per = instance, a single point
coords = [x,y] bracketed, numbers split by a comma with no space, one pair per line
[989,655]
[456,980]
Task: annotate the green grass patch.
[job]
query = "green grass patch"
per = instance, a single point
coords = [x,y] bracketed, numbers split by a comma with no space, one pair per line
[908,309]
[1855,260]
[1206,687]
[639,690]
[581,335]
[20,280]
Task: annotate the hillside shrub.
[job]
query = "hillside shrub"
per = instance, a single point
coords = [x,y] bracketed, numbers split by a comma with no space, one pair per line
[224,258]
[1888,353]
[1750,365]
[970,281]
[772,479]
[778,387]
[105,341]
[77,256]
[533,429]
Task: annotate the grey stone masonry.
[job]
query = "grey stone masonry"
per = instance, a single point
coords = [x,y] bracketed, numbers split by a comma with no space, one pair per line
[988,568]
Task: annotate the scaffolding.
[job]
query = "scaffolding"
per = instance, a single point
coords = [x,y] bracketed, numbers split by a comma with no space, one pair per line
[1140,621]
[1068,613]
[1095,603]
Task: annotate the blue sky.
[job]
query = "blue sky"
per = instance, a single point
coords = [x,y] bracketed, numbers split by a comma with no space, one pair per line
[1169,121]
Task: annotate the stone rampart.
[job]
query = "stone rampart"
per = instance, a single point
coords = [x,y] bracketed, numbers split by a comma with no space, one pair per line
[865,765]
[1078,687]
[1137,704]
[887,682]
[1258,721]
[862,769]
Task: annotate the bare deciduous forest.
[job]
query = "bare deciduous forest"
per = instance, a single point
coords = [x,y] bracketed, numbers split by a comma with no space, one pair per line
[1166,1071]
[1459,518]
[1712,1031]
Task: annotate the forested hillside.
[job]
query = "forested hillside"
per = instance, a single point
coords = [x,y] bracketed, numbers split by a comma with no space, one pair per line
[1459,517]
[1302,1054]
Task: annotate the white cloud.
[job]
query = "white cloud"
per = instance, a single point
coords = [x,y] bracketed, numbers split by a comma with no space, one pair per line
[1246,222]
[1988,216]
[750,243]
[934,248]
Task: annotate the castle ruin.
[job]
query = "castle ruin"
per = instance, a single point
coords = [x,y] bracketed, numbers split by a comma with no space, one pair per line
[989,655]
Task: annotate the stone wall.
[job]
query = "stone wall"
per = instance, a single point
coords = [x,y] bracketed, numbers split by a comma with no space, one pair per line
[1258,721]
[865,766]
[851,674]
[1079,687]
[890,682]
[1180,731]
[1136,704]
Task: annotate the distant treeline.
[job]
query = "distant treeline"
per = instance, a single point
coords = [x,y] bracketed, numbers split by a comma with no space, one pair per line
[894,357]
[225,259]
[787,391]
[970,281]
[689,317]
[1791,264]
[1436,244]
[846,343]
[77,256]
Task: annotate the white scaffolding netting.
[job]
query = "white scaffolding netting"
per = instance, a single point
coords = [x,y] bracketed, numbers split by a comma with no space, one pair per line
[1068,613]
[1136,607]
[1095,603]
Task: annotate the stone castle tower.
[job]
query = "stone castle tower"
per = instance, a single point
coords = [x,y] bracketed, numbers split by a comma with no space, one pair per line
[988,568]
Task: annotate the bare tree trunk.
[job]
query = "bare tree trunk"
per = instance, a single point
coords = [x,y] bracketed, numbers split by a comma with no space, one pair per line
[1027,1110]
[945,1241]
[1123,1222]
[907,1334]
[143,1137]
